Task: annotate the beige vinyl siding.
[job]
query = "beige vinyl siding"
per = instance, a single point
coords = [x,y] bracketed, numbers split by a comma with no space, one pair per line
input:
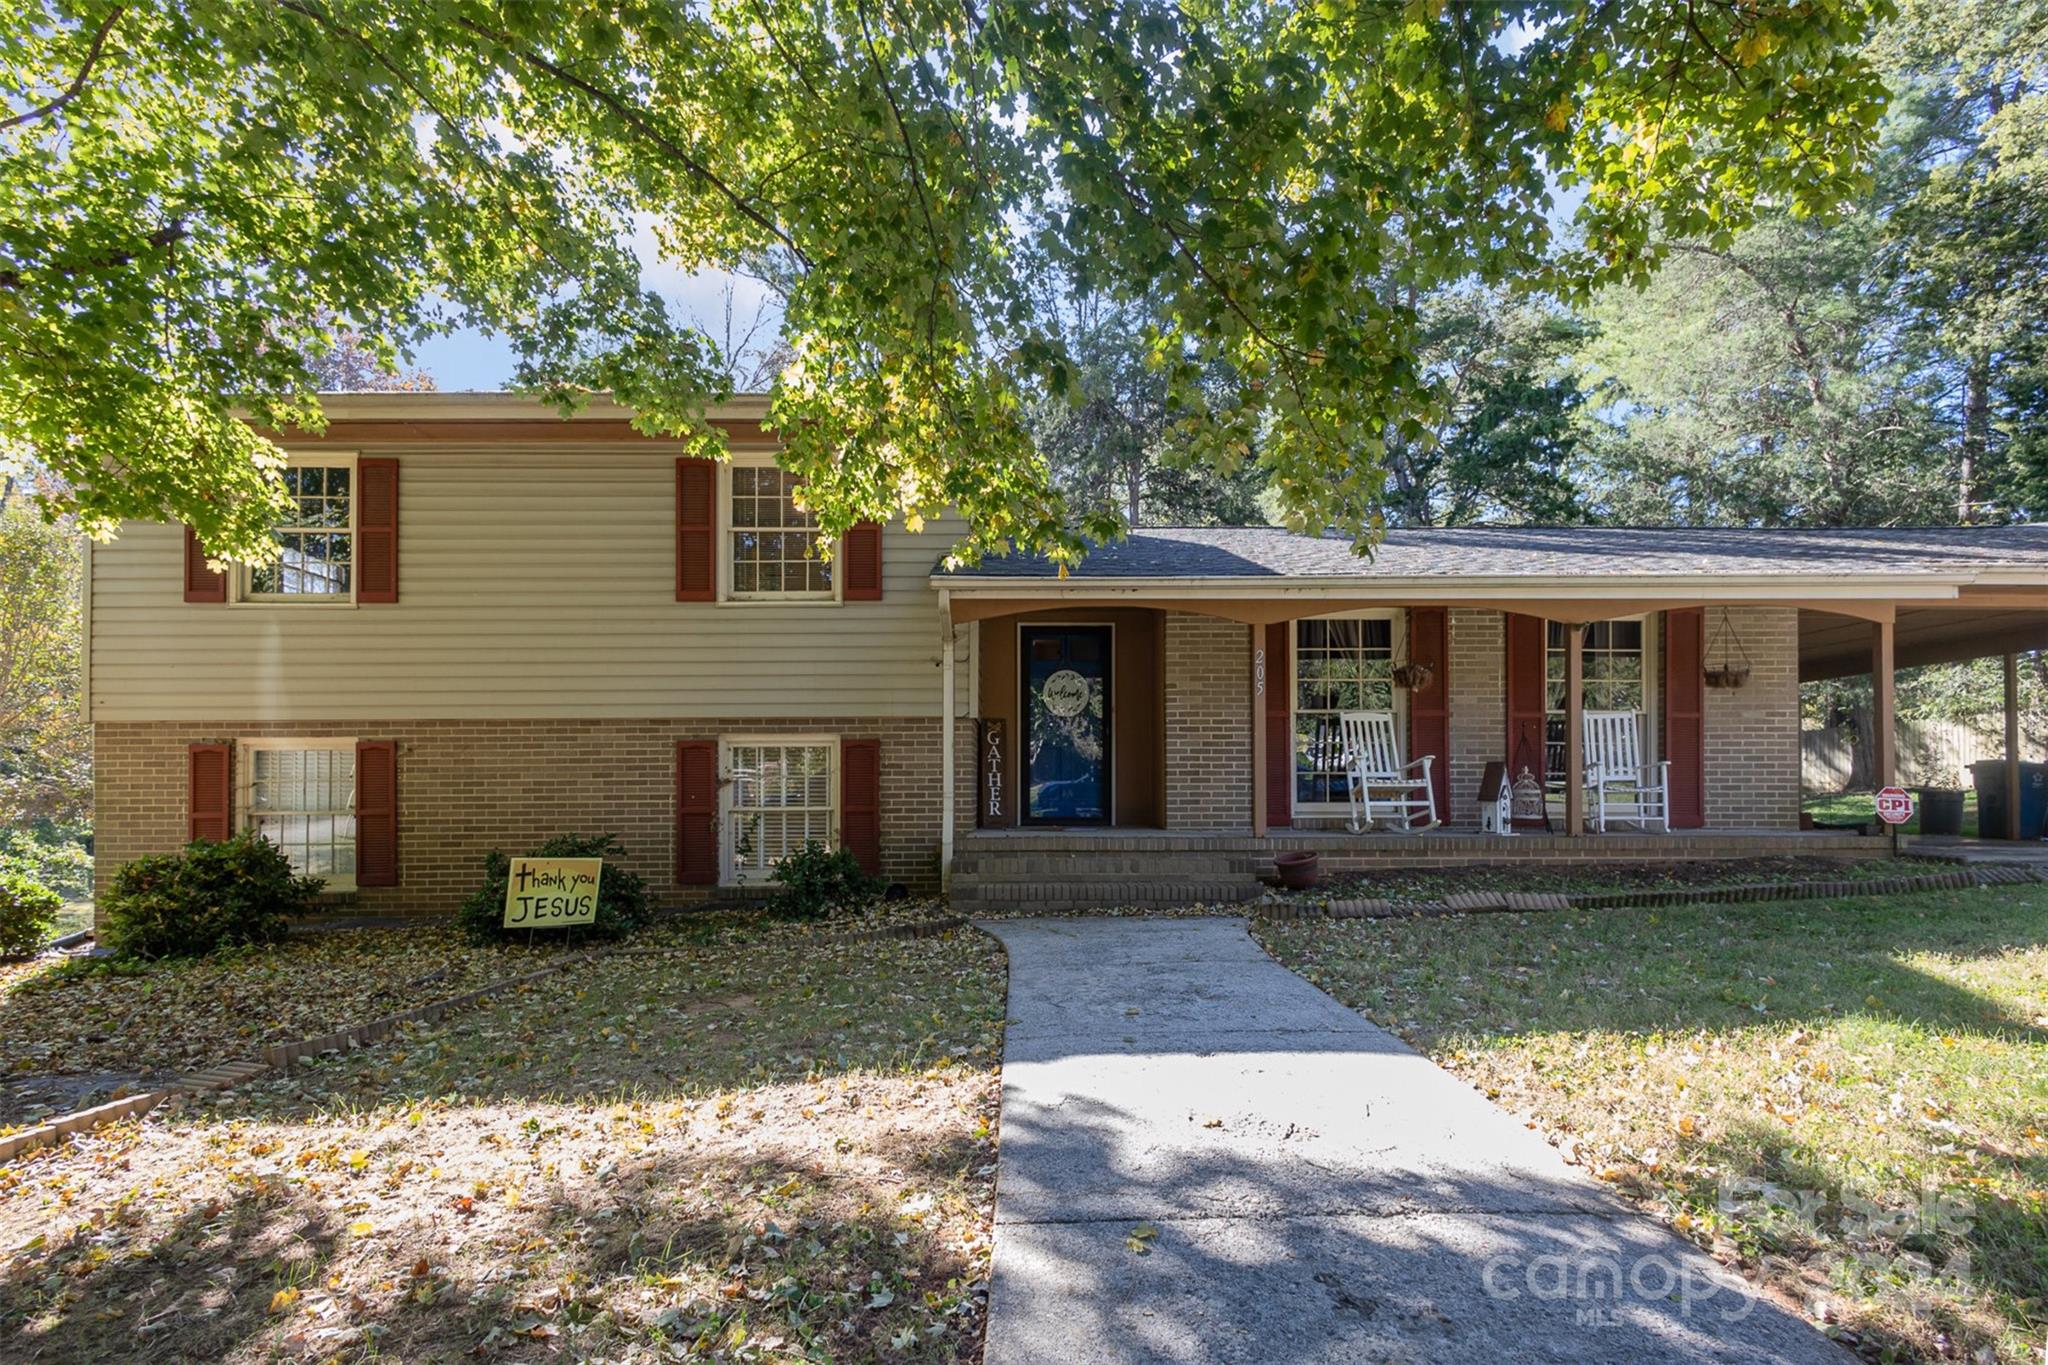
[534,582]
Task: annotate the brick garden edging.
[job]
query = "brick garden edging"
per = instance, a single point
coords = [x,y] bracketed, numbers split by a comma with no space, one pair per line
[1471,902]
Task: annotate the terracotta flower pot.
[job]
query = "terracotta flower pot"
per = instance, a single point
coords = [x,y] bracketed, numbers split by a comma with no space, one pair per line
[1298,871]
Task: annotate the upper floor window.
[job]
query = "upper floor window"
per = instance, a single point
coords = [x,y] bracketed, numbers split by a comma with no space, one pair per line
[773,543]
[315,540]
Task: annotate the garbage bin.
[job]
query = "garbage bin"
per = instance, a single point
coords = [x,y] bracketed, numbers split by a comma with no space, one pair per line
[1989,777]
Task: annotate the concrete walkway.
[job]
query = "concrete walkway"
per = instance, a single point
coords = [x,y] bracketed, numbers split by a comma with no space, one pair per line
[1320,1191]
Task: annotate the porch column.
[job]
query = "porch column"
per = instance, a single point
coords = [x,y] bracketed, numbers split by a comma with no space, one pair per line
[1884,730]
[2012,746]
[946,742]
[1574,726]
[1258,732]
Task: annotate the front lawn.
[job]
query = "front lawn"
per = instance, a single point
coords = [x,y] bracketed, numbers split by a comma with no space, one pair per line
[1421,885]
[773,1149]
[1860,808]
[1851,1097]
[73,1033]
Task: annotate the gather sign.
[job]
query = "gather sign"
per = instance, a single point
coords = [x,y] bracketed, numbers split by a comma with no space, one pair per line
[552,893]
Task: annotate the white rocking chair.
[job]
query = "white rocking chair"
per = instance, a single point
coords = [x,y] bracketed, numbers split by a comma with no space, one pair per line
[1381,783]
[1620,785]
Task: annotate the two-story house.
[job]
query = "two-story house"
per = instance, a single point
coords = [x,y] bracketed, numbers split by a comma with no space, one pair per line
[489,625]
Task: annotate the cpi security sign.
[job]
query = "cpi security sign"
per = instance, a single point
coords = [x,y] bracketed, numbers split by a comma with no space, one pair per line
[552,893]
[1894,805]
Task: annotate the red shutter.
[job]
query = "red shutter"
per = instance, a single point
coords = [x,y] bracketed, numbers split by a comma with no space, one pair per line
[1279,725]
[376,813]
[202,584]
[1526,641]
[1429,708]
[697,812]
[860,801]
[1685,730]
[209,796]
[697,537]
[861,553]
[377,535]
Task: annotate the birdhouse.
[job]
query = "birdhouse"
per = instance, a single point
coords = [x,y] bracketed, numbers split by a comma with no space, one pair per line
[1528,798]
[1496,801]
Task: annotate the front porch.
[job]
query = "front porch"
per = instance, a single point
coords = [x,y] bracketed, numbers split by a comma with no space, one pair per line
[1173,712]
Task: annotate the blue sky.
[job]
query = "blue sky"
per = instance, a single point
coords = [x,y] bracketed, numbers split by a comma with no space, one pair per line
[469,360]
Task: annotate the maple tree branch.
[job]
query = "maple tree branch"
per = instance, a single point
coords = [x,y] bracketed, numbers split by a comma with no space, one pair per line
[77,86]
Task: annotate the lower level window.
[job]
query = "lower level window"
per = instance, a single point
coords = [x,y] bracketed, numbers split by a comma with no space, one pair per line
[301,795]
[782,794]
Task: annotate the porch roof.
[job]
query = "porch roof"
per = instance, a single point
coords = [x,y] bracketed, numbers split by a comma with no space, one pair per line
[1951,592]
[1239,554]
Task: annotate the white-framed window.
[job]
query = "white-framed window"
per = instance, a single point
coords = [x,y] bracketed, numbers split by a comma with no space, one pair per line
[1619,659]
[779,792]
[771,546]
[301,795]
[316,540]
[1341,663]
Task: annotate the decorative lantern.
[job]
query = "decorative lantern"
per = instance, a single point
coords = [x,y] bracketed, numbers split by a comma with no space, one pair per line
[1728,673]
[1528,799]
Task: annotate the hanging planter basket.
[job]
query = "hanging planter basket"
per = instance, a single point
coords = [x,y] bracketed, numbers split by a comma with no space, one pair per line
[1728,673]
[1413,676]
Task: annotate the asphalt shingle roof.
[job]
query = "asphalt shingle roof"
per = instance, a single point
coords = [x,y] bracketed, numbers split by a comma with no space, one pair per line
[1258,552]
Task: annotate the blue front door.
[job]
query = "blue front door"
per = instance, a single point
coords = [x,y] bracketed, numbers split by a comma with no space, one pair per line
[1066,723]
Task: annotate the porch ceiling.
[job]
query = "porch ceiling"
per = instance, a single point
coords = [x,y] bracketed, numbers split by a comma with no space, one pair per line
[1832,645]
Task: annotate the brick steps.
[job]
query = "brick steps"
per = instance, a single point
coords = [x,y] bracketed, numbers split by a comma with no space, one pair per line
[1054,874]
[1089,863]
[1097,894]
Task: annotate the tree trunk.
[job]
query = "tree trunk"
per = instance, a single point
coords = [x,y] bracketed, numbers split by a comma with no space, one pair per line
[1861,766]
[1976,436]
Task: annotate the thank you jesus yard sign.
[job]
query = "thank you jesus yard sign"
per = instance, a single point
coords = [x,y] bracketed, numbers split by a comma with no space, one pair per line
[552,893]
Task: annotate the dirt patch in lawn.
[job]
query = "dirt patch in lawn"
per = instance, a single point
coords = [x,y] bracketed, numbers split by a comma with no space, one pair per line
[781,1150]
[1846,1098]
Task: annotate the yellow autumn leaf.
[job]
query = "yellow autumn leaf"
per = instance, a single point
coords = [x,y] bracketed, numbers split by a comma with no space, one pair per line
[1558,118]
[362,1227]
[283,1299]
[1756,45]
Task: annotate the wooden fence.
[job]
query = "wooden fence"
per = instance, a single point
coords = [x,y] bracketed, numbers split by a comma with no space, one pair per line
[1929,751]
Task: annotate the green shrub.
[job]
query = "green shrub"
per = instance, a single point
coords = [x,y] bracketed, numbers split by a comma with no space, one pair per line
[621,895]
[204,897]
[815,879]
[53,855]
[28,911]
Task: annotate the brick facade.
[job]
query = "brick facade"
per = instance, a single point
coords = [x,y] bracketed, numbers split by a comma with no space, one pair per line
[1208,723]
[1752,732]
[1478,701]
[467,786]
